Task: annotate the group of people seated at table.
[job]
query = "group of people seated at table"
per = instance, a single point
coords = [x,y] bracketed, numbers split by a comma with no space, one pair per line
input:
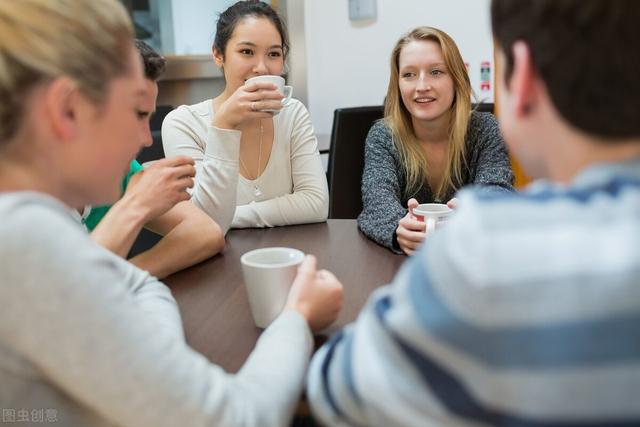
[523,310]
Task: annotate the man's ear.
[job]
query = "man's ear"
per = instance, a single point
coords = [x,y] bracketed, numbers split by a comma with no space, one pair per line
[218,57]
[61,101]
[523,79]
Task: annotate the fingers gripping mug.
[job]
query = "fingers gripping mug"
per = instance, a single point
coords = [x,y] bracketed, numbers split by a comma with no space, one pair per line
[432,214]
[286,91]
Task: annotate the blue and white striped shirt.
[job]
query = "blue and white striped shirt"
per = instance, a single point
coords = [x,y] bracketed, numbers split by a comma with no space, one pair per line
[523,311]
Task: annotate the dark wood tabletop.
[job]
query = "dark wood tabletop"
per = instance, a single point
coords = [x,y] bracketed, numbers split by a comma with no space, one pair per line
[213,300]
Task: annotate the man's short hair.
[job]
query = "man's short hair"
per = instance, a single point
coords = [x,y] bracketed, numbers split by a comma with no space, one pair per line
[154,63]
[588,54]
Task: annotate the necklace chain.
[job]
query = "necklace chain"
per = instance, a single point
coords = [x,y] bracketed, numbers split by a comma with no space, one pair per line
[246,170]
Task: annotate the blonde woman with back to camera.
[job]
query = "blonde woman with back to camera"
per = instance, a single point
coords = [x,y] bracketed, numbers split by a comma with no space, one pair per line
[429,144]
[254,168]
[82,331]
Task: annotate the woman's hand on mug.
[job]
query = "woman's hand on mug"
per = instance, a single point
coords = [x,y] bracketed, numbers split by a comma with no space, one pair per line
[316,295]
[411,231]
[246,104]
[453,203]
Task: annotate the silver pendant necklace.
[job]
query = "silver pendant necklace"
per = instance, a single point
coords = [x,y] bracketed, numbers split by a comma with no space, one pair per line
[256,190]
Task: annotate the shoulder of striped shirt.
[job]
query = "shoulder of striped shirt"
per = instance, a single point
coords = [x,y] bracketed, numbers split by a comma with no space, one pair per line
[613,187]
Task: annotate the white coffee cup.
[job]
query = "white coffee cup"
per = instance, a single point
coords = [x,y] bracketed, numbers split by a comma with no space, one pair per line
[268,275]
[286,91]
[433,214]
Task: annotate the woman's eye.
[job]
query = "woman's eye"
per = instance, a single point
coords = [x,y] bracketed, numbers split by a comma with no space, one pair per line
[142,114]
[275,54]
[436,72]
[407,75]
[246,51]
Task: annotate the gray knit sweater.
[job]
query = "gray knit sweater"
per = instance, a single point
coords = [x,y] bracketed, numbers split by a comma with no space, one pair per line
[384,198]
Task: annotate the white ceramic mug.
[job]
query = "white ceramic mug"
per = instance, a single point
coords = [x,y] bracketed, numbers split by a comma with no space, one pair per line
[286,91]
[432,214]
[268,275]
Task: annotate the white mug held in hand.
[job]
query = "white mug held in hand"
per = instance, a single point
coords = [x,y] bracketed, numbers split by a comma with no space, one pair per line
[432,214]
[286,91]
[268,275]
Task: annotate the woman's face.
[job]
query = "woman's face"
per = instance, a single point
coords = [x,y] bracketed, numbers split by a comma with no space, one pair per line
[425,84]
[111,134]
[254,49]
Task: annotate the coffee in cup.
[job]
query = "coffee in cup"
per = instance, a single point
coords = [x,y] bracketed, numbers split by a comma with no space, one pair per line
[286,91]
[268,275]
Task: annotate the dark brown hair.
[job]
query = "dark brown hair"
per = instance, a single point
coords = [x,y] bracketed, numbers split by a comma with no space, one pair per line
[586,51]
[154,63]
[229,19]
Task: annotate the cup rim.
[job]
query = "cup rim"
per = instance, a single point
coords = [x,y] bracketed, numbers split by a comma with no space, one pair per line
[297,259]
[267,76]
[425,210]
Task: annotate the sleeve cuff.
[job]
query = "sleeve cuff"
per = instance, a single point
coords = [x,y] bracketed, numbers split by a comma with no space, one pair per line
[292,321]
[223,144]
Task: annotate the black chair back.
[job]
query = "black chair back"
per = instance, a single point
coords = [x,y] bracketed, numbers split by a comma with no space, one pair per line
[483,107]
[346,159]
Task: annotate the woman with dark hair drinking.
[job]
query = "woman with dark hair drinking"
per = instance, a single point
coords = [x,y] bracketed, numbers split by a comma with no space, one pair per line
[257,161]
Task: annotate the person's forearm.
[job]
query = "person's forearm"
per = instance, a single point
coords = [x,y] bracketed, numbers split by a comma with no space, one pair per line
[297,208]
[155,300]
[120,226]
[184,246]
[216,182]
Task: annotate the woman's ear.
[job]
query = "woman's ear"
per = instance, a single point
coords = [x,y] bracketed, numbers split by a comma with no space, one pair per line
[218,57]
[61,100]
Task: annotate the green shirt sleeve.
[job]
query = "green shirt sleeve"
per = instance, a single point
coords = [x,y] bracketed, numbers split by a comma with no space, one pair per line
[134,168]
[98,212]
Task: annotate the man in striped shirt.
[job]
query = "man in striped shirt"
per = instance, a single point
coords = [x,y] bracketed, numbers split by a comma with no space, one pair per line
[525,309]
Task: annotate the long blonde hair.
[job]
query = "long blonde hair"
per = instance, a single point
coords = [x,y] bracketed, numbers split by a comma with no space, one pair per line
[86,40]
[398,118]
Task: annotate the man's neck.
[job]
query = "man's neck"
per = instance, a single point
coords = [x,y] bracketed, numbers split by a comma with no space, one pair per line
[578,153]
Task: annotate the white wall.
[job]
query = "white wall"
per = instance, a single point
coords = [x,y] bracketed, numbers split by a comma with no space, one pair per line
[194,24]
[348,63]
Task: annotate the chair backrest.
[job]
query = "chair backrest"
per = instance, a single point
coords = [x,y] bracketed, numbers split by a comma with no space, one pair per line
[346,159]
[483,107]
[155,151]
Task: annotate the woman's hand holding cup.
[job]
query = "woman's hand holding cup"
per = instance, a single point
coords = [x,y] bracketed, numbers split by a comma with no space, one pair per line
[411,231]
[247,103]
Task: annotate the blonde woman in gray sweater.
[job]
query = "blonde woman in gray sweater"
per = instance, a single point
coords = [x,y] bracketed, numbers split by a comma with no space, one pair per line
[429,143]
[84,335]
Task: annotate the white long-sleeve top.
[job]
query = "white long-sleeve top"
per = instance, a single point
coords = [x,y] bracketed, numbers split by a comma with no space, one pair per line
[99,342]
[293,186]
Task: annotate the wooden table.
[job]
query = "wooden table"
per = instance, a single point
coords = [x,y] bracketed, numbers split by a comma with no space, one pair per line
[213,300]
